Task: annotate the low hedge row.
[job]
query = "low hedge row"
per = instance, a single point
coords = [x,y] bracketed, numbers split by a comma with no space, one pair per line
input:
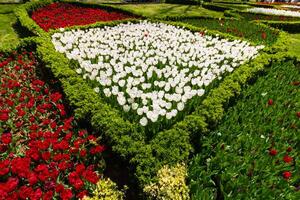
[166,147]
[261,5]
[291,27]
[181,18]
[232,2]
[216,7]
[185,2]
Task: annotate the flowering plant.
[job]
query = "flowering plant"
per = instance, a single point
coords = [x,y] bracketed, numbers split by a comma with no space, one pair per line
[60,15]
[43,154]
[152,70]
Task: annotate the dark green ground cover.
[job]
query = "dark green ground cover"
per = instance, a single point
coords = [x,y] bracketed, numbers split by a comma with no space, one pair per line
[234,160]
[241,28]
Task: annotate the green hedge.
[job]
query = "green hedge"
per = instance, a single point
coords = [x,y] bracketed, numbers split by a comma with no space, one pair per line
[291,27]
[216,7]
[126,138]
[261,5]
[185,2]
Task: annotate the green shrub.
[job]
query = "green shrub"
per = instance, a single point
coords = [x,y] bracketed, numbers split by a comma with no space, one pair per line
[106,190]
[215,7]
[255,16]
[291,27]
[171,184]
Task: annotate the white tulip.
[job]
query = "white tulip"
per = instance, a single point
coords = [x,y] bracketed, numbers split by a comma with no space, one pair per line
[127,63]
[144,121]
[96,89]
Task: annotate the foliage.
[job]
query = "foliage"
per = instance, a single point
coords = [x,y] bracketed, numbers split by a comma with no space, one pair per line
[171,184]
[291,27]
[7,8]
[256,143]
[216,7]
[229,5]
[8,38]
[241,28]
[294,47]
[106,190]
[256,16]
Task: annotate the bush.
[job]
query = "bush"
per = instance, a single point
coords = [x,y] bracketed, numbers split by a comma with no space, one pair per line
[291,27]
[106,190]
[215,7]
[171,184]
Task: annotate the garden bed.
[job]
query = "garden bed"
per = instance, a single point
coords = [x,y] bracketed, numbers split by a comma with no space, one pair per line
[61,15]
[149,155]
[256,143]
[286,23]
[244,29]
[44,152]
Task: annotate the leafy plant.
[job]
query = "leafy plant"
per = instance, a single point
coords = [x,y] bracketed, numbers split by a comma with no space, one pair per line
[253,154]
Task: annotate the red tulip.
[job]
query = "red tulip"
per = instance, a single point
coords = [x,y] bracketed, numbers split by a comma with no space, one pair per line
[287,159]
[6,138]
[272,152]
[270,102]
[264,35]
[4,116]
[286,175]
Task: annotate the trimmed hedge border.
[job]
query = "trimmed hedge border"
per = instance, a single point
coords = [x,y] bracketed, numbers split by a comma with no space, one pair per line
[291,27]
[167,147]
[261,5]
[216,7]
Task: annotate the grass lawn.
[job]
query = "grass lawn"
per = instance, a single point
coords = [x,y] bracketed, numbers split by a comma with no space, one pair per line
[235,6]
[7,8]
[7,33]
[162,10]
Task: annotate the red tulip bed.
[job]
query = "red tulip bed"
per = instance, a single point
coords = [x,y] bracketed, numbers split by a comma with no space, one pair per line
[43,154]
[60,15]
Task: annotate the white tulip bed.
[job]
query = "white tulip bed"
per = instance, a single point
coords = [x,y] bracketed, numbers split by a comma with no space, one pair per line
[272,11]
[151,69]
